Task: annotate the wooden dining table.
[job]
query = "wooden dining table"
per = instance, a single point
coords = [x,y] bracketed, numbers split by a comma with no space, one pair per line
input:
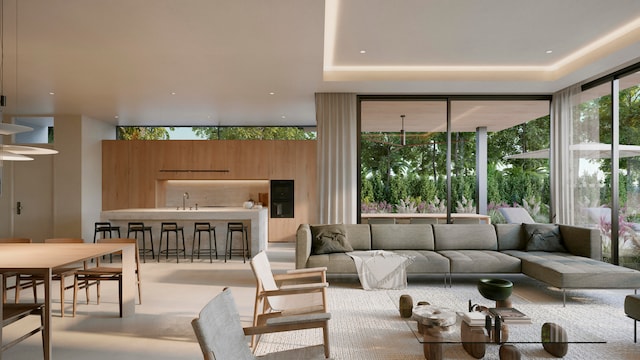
[40,259]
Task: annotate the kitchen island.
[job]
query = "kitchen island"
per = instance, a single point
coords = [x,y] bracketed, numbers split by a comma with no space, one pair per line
[256,220]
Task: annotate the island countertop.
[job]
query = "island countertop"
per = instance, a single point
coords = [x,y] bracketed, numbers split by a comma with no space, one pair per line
[257,217]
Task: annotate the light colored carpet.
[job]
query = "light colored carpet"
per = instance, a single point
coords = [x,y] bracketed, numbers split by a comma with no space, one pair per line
[367,325]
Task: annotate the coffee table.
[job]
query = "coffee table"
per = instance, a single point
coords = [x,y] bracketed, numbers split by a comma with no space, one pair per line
[475,339]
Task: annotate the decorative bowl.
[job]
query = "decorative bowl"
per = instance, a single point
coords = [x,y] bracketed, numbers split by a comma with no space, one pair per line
[434,319]
[495,289]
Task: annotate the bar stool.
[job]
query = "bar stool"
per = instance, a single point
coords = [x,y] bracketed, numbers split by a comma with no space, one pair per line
[171,227]
[200,227]
[242,229]
[104,228]
[139,227]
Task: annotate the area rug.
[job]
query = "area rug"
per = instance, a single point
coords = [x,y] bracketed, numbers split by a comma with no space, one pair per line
[367,324]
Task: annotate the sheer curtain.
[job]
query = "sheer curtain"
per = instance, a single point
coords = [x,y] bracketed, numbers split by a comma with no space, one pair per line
[336,116]
[563,110]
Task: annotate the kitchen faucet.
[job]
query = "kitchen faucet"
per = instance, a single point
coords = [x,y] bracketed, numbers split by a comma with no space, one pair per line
[185,196]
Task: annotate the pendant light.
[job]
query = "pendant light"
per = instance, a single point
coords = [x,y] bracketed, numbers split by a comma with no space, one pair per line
[13,152]
[403,135]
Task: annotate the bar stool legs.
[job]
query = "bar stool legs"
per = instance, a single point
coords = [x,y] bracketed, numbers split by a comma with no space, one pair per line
[139,227]
[166,228]
[200,227]
[244,238]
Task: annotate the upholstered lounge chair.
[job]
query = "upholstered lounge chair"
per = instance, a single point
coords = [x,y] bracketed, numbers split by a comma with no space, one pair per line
[632,310]
[516,215]
[221,336]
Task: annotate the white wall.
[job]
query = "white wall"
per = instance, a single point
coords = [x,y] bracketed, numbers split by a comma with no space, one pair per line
[93,132]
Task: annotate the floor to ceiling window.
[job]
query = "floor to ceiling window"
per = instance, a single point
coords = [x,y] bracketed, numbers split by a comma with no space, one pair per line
[499,152]
[629,170]
[606,155]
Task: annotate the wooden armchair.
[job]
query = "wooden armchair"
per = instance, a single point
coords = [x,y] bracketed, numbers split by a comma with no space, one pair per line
[221,336]
[297,292]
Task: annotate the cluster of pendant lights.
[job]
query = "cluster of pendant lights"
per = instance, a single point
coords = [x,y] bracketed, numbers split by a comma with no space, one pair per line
[19,152]
[14,152]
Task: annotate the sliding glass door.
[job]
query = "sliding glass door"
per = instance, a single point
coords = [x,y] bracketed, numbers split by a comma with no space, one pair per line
[495,155]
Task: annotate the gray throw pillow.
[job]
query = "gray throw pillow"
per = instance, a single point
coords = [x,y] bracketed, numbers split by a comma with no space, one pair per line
[327,239]
[544,237]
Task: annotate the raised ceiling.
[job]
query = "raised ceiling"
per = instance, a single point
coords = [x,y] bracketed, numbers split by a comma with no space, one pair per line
[256,62]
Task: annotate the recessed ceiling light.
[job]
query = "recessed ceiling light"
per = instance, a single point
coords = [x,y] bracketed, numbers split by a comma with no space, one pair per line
[173,93]
[284,117]
[272,93]
[549,51]
[51,93]
[116,117]
[363,51]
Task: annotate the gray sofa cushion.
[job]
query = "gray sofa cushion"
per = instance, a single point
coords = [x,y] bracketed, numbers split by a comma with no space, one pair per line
[564,270]
[425,262]
[402,237]
[359,236]
[582,241]
[481,261]
[456,237]
[510,237]
[336,263]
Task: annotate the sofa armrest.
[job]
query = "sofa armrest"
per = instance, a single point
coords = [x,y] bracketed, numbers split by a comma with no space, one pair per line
[582,241]
[303,245]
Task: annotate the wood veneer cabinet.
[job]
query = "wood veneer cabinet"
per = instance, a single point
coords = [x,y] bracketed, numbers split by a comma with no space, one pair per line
[133,170]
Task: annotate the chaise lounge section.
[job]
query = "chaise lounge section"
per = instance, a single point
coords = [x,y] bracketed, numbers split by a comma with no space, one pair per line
[563,256]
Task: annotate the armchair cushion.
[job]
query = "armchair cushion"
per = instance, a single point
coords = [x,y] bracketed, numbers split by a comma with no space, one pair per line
[544,237]
[327,239]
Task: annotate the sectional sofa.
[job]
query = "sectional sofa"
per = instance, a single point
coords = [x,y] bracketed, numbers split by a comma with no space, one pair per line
[563,256]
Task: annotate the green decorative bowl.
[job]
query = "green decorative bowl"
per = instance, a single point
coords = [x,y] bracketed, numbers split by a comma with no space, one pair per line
[495,289]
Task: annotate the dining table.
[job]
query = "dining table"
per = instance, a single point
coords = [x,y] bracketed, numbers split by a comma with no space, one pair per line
[41,259]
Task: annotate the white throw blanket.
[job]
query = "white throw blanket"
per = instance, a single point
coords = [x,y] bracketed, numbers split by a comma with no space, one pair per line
[380,269]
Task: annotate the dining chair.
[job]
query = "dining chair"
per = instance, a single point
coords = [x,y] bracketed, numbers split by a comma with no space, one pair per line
[94,275]
[21,281]
[12,313]
[300,291]
[221,335]
[60,274]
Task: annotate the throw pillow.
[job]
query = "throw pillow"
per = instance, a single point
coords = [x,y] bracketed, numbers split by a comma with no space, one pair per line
[544,237]
[327,239]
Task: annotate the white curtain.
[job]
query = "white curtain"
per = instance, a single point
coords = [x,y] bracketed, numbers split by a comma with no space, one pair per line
[336,116]
[563,109]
